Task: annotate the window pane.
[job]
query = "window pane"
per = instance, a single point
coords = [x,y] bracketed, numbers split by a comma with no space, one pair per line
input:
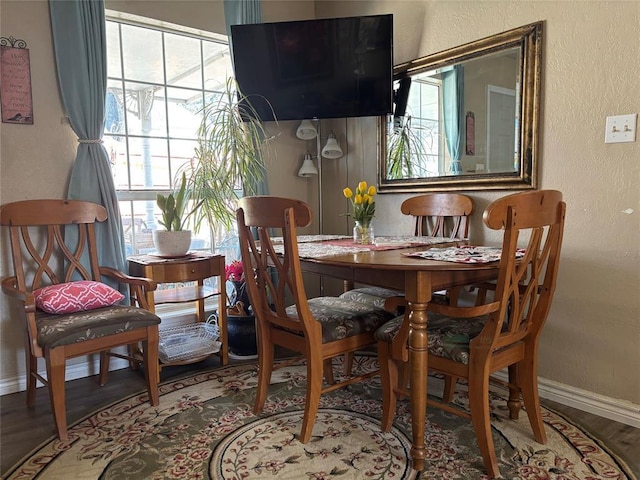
[113,50]
[146,112]
[183,61]
[114,108]
[142,52]
[217,65]
[185,112]
[117,149]
[148,159]
[182,151]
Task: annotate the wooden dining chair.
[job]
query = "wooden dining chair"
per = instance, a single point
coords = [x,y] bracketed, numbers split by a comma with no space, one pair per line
[69,311]
[473,342]
[317,328]
[435,215]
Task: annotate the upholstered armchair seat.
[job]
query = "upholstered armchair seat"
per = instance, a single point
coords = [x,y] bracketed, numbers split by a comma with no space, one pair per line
[448,337]
[54,330]
[342,318]
[375,296]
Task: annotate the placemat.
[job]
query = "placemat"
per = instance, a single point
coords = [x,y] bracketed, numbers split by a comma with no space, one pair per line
[465,254]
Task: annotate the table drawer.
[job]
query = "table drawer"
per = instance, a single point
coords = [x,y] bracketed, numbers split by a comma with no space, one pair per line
[189,271]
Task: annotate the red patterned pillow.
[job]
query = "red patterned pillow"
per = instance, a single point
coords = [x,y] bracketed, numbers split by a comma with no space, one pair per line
[76,297]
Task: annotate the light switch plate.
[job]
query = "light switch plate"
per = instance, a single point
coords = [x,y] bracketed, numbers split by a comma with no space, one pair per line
[621,128]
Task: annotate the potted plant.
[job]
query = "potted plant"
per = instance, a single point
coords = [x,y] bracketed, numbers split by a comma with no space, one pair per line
[241,323]
[228,161]
[174,240]
[404,147]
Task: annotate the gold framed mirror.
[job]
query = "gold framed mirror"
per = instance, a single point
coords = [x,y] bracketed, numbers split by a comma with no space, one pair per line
[466,118]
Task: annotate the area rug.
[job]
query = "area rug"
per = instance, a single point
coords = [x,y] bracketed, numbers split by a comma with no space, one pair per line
[204,428]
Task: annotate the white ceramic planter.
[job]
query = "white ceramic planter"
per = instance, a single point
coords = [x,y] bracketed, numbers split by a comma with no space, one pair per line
[172,244]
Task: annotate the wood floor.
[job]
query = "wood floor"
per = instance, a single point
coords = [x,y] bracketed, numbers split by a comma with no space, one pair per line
[23,429]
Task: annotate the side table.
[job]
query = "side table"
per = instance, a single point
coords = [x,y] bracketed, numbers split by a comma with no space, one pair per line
[194,267]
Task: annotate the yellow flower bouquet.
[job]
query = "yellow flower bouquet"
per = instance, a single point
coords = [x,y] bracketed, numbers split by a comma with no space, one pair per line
[364,209]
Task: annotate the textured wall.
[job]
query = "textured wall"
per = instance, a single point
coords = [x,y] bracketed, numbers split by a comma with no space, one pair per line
[590,70]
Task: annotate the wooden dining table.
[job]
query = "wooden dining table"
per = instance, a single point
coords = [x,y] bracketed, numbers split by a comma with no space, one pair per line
[418,278]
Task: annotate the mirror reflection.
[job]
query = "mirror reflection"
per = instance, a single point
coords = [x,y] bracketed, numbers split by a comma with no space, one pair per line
[465,118]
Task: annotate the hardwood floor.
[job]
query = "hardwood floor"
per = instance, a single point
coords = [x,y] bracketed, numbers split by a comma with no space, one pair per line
[22,429]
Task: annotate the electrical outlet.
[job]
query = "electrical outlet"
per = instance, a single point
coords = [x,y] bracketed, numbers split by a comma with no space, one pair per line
[621,128]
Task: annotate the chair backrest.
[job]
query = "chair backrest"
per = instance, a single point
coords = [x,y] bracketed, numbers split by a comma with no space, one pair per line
[52,241]
[440,214]
[525,286]
[272,267]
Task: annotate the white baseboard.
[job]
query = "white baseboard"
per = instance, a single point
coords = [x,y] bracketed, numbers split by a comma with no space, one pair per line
[614,409]
[607,407]
[73,372]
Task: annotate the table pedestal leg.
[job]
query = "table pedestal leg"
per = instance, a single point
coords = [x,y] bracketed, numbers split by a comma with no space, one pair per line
[418,294]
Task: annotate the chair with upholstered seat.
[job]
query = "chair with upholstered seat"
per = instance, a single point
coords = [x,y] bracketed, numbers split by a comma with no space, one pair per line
[317,328]
[434,215]
[473,342]
[69,310]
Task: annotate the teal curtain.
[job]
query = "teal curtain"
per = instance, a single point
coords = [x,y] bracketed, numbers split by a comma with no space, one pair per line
[453,112]
[79,39]
[240,12]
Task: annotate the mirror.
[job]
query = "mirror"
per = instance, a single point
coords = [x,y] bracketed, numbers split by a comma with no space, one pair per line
[465,118]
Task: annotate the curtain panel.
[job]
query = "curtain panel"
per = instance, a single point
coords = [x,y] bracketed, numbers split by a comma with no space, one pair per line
[79,38]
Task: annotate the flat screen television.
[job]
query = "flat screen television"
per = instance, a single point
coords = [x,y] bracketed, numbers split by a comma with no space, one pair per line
[322,68]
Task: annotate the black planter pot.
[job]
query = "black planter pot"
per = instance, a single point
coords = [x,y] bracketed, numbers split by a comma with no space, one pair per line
[241,331]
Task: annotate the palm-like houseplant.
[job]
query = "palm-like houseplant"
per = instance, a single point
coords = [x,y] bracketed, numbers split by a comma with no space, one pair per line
[404,148]
[229,159]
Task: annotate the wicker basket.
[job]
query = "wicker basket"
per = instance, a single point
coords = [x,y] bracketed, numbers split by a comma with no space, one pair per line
[188,341]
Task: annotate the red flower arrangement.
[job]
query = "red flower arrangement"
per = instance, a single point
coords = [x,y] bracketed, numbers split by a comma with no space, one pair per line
[235,271]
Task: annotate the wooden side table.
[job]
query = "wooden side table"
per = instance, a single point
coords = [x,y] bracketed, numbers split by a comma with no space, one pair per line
[195,267]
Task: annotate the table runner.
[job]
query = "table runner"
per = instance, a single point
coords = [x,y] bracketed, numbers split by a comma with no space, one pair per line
[318,246]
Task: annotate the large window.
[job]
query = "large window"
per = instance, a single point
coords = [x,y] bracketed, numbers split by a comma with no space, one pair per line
[424,105]
[158,81]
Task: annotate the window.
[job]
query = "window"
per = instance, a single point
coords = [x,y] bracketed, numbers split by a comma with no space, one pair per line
[424,105]
[158,81]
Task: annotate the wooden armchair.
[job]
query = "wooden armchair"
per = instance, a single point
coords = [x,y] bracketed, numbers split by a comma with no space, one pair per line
[318,328]
[474,342]
[55,263]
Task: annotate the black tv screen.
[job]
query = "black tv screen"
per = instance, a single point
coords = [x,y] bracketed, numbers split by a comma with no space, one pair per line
[323,68]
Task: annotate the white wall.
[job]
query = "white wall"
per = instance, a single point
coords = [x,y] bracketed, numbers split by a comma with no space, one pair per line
[590,70]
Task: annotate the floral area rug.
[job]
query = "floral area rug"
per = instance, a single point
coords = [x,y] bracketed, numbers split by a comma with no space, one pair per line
[204,428]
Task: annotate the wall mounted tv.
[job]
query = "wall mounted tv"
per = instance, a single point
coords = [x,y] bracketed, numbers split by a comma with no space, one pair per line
[322,68]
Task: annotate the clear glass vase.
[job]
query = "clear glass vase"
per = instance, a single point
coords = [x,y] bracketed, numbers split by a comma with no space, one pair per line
[363,233]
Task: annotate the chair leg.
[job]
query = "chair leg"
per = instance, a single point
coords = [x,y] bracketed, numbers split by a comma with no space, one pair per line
[151,365]
[479,406]
[32,369]
[389,379]
[314,389]
[514,392]
[265,367]
[104,368]
[348,363]
[55,360]
[449,388]
[529,386]
[328,371]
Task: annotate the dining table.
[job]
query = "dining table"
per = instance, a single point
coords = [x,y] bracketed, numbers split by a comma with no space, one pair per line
[399,263]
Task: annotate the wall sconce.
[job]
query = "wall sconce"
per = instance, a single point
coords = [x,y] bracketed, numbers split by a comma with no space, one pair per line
[332,148]
[308,168]
[309,131]
[306,131]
